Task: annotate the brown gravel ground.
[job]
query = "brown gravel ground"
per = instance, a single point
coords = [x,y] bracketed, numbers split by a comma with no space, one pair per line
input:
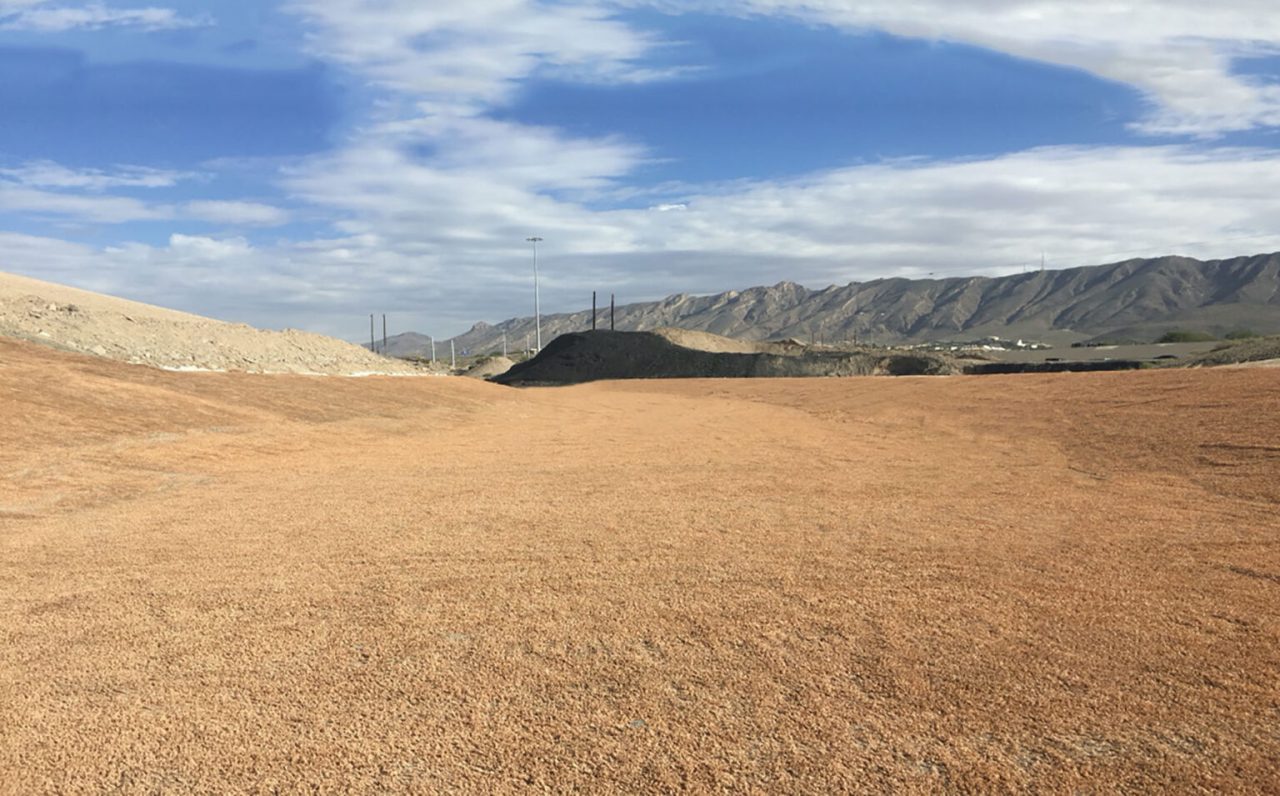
[237,583]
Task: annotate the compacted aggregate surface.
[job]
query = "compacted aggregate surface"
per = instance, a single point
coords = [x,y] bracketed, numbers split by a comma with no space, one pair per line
[234,583]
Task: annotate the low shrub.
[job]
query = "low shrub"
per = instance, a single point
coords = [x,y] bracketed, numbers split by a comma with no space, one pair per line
[1185,336]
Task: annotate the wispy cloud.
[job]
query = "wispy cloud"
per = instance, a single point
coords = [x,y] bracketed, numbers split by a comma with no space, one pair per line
[236,213]
[41,16]
[94,209]
[200,248]
[48,174]
[473,53]
[47,189]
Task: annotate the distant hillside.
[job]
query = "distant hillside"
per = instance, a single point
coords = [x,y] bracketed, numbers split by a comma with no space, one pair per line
[1135,299]
[412,344]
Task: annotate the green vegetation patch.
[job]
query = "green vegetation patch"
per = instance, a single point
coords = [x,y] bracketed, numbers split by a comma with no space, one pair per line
[1186,336]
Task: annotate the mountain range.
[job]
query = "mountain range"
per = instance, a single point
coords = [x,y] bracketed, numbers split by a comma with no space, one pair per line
[1135,300]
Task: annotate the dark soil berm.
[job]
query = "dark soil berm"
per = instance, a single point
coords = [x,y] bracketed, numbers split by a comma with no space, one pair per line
[592,356]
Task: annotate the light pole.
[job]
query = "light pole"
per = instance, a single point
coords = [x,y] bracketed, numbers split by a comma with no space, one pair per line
[537,308]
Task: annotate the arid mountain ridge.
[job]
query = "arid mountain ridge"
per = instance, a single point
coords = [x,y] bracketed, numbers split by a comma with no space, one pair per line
[1135,300]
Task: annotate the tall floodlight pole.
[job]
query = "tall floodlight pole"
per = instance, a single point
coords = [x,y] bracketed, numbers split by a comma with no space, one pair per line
[537,307]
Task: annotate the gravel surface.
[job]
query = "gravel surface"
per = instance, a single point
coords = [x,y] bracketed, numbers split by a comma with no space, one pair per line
[105,326]
[237,583]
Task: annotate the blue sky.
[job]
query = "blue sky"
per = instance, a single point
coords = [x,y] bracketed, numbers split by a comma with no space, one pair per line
[305,163]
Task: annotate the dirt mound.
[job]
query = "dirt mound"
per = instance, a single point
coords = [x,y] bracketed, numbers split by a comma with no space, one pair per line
[1254,351]
[487,368]
[717,344]
[129,331]
[591,356]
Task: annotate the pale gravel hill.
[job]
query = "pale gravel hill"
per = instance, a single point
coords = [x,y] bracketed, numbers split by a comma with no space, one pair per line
[718,344]
[1133,300]
[494,366]
[92,323]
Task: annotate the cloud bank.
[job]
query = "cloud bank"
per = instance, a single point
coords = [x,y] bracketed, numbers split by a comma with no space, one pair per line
[439,249]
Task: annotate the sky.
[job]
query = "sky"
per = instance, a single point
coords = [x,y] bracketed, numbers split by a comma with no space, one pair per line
[305,163]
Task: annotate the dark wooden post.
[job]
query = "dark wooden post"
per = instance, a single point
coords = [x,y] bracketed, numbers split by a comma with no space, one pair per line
[593,310]
[611,310]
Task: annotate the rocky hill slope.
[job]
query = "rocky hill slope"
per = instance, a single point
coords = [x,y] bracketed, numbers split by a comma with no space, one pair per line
[1135,299]
[91,323]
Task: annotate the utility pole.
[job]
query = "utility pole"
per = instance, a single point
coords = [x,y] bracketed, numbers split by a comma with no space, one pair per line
[537,309]
[593,310]
[611,311]
[453,355]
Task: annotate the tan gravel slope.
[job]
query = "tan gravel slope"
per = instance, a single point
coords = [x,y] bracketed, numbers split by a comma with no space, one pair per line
[237,583]
[129,331]
[493,366]
[718,344]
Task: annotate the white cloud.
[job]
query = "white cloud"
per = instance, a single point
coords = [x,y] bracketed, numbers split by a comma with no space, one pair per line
[41,16]
[203,248]
[48,189]
[16,198]
[481,181]
[52,257]
[1080,204]
[1179,53]
[473,53]
[246,214]
[47,174]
